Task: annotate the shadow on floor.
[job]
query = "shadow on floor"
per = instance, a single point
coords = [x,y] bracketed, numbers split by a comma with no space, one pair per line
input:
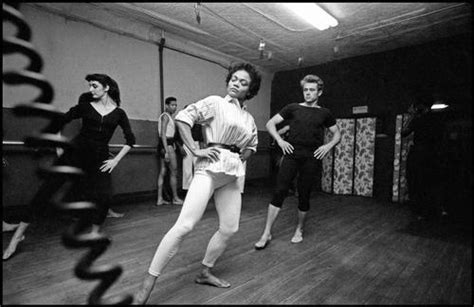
[447,229]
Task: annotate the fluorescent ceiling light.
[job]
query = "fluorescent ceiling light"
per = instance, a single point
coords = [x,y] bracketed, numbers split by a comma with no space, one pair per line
[313,14]
[439,106]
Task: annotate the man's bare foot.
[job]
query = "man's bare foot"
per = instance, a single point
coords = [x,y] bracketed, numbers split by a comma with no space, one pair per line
[263,242]
[12,246]
[9,227]
[112,213]
[297,237]
[209,279]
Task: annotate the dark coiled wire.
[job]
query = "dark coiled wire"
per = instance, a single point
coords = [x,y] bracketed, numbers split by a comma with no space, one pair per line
[76,236]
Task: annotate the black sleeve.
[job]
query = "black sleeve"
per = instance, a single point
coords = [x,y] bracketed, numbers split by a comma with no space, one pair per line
[127,129]
[330,120]
[287,111]
[73,113]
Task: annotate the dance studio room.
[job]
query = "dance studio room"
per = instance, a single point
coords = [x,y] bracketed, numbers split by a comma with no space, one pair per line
[237,153]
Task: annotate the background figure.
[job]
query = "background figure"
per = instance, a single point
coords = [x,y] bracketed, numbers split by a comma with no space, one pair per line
[167,152]
[277,155]
[189,160]
[424,161]
[231,134]
[303,152]
[100,112]
[81,195]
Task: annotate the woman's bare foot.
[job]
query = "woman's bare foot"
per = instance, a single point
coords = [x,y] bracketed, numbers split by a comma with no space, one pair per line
[9,227]
[145,290]
[207,278]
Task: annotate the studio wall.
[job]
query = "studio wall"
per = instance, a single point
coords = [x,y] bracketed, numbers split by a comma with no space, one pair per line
[72,49]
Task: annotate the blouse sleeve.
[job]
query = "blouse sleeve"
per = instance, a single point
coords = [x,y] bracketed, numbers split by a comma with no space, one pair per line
[199,112]
[252,144]
[127,130]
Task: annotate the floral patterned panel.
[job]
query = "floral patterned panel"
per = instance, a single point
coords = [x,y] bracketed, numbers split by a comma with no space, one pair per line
[364,156]
[396,159]
[344,157]
[326,176]
[402,146]
[405,148]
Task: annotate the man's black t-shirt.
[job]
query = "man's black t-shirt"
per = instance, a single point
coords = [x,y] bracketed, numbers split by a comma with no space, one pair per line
[307,124]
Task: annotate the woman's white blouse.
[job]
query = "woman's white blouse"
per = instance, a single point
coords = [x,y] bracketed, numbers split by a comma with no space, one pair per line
[225,122]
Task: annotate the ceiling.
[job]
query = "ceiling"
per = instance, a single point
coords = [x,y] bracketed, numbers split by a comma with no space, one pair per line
[236,29]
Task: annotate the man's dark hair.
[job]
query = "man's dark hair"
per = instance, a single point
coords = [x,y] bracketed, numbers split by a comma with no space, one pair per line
[168,100]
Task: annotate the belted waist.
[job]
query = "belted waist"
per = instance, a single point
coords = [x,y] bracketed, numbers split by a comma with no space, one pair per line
[232,148]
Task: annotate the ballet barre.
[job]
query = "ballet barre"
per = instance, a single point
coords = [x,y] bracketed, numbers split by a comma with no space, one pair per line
[20,143]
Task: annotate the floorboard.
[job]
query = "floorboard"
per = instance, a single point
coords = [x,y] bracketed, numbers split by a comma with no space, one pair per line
[356,250]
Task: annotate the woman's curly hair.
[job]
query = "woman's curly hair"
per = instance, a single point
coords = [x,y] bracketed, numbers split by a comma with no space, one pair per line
[255,77]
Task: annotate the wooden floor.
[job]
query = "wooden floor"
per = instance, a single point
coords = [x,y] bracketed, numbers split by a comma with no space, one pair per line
[355,251]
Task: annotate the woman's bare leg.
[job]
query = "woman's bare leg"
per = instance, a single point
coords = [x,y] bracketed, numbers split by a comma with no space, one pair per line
[193,208]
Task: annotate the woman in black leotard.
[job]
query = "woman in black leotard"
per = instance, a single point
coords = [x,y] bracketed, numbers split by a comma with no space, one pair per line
[100,112]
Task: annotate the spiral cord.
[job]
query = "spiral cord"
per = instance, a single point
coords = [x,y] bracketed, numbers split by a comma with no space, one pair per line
[76,235]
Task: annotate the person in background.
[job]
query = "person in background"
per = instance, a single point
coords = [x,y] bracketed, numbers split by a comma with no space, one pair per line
[303,151]
[189,160]
[167,152]
[424,161]
[101,113]
[277,155]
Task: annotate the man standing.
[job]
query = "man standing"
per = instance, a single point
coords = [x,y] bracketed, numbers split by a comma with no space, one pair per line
[167,152]
[303,151]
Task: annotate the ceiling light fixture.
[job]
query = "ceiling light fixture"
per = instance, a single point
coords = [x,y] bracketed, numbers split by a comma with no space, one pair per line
[300,61]
[261,48]
[313,14]
[197,11]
